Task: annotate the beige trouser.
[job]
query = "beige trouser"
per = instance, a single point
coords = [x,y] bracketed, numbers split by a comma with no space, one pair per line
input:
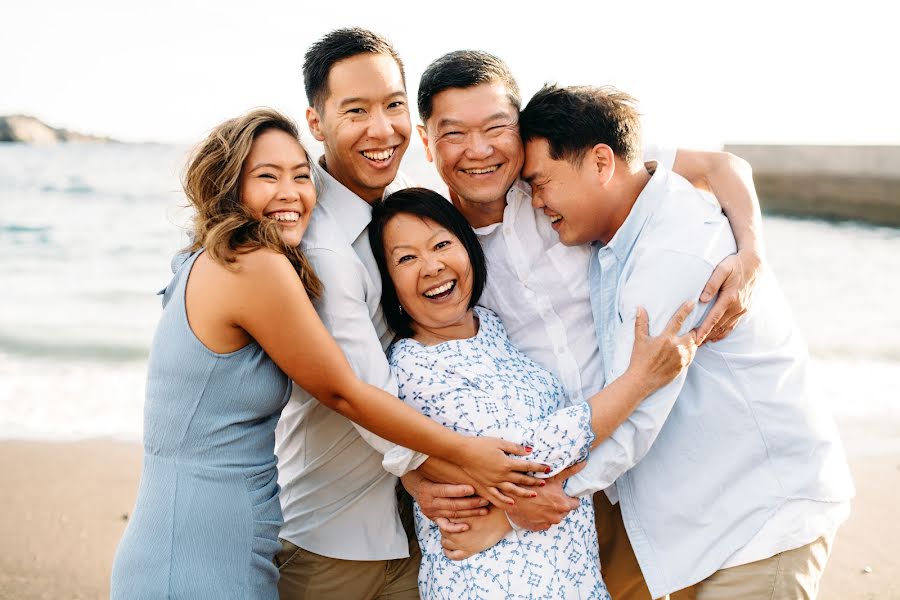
[306,575]
[618,564]
[791,575]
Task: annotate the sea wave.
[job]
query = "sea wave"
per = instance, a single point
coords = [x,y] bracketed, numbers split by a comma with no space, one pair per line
[95,350]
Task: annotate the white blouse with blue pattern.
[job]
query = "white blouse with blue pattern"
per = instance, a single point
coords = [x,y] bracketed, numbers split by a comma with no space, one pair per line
[485,386]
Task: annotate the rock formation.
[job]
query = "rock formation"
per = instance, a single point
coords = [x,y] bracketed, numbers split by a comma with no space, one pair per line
[24,128]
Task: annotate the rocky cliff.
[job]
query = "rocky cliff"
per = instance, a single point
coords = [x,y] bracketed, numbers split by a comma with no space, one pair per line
[23,128]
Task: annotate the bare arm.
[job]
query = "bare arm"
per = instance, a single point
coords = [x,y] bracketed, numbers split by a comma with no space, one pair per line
[271,305]
[730,179]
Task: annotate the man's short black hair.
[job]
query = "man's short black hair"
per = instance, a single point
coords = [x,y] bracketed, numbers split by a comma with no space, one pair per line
[464,69]
[428,204]
[334,47]
[575,119]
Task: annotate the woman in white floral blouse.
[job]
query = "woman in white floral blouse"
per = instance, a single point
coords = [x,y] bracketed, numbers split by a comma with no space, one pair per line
[454,363]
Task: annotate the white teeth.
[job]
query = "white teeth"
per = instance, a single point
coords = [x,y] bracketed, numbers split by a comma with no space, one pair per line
[555,218]
[481,171]
[285,216]
[440,290]
[382,155]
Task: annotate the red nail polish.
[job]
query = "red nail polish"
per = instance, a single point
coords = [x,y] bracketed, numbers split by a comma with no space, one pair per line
[528,448]
[542,484]
[548,470]
[534,495]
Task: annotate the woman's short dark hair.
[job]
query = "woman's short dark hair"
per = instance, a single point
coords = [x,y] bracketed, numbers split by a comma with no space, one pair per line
[430,205]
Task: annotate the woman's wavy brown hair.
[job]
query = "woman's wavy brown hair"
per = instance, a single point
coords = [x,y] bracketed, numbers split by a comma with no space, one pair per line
[212,182]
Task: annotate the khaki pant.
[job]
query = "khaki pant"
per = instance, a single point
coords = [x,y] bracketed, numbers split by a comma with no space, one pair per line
[790,575]
[306,575]
[618,564]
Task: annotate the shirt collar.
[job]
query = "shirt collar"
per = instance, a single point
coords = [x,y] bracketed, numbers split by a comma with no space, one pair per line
[354,212]
[519,192]
[644,206]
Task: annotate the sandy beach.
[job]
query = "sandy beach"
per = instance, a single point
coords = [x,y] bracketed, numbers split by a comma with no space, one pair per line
[65,505]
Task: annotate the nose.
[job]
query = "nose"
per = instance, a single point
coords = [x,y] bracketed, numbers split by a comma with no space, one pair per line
[288,190]
[479,147]
[433,265]
[536,201]
[380,126]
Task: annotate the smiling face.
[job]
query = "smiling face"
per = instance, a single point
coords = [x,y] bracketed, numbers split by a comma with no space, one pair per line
[275,183]
[363,123]
[432,274]
[473,139]
[571,196]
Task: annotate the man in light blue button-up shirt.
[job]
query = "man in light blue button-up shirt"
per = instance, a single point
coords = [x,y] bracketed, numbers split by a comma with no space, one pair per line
[733,466]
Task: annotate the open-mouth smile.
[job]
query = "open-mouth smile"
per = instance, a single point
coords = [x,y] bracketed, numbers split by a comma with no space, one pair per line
[287,216]
[379,156]
[440,291]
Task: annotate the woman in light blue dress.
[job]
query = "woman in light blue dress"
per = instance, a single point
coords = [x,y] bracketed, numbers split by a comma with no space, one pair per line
[455,364]
[237,327]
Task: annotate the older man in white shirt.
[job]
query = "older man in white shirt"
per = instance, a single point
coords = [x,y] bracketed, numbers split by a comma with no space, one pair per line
[753,472]
[469,104]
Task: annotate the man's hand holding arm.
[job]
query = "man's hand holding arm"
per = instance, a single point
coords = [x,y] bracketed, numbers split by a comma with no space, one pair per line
[730,179]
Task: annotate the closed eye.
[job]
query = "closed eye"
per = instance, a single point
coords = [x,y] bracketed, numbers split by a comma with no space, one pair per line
[443,244]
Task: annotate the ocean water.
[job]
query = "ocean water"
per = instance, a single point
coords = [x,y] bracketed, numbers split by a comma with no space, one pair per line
[87,233]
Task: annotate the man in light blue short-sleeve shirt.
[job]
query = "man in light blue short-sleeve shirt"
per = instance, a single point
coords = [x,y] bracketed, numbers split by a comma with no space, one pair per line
[733,476]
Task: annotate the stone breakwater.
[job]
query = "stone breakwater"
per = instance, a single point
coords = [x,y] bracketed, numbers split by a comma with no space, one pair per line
[839,182]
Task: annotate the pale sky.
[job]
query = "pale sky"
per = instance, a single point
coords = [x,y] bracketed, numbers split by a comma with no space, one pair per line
[705,72]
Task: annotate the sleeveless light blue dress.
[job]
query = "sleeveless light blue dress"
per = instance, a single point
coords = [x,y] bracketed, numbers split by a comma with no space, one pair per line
[207,516]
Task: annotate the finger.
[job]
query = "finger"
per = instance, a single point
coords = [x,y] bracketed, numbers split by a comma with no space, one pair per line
[677,321]
[511,489]
[448,490]
[465,514]
[525,480]
[707,327]
[726,326]
[527,466]
[456,554]
[456,514]
[448,527]
[459,503]
[569,471]
[512,448]
[497,498]
[641,324]
[714,284]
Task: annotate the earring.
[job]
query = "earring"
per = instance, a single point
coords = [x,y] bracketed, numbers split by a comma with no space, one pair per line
[401,308]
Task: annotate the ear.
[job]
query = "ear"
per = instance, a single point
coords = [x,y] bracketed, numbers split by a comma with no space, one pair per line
[314,123]
[603,162]
[423,135]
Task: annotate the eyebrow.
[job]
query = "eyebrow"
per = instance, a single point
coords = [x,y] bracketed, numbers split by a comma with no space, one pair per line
[437,233]
[455,122]
[356,99]
[296,167]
